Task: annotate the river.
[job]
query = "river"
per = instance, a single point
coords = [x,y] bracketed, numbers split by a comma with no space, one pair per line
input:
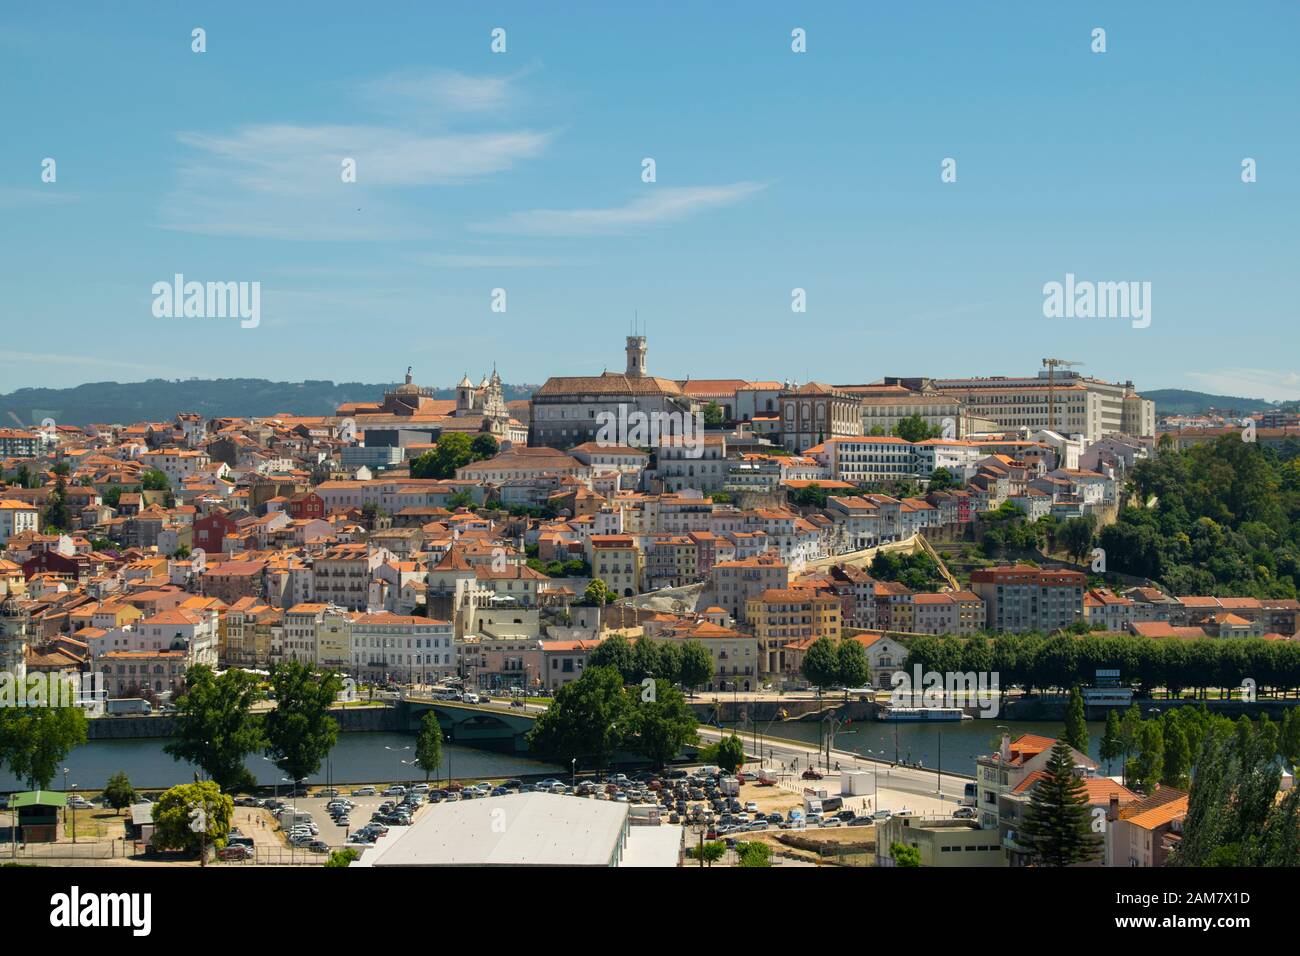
[958,743]
[362,757]
[356,758]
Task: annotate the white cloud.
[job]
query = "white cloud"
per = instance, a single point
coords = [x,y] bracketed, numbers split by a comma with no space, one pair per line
[440,91]
[1270,384]
[283,180]
[662,205]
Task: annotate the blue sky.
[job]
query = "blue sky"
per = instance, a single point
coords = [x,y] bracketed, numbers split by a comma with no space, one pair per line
[775,170]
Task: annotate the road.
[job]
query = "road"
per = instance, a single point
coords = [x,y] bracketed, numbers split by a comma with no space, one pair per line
[900,779]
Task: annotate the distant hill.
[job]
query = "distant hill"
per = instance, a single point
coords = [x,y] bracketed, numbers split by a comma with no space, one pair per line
[1180,401]
[161,399]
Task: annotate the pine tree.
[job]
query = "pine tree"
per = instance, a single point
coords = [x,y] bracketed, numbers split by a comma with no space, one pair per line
[1076,722]
[1057,826]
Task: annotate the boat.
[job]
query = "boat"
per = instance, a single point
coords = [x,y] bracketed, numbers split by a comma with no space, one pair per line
[927,714]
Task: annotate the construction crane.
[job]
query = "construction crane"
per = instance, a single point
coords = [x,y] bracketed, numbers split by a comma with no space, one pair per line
[1051,364]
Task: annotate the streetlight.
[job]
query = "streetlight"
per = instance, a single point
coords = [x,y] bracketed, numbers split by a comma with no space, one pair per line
[275,784]
[573,773]
[408,763]
[74,816]
[397,750]
[65,797]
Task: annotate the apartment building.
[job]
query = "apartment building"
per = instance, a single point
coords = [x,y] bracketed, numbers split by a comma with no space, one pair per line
[1019,598]
[17,517]
[733,583]
[406,648]
[949,612]
[784,616]
[342,575]
[617,561]
[699,464]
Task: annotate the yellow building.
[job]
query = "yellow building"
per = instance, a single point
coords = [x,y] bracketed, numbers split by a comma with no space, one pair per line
[781,616]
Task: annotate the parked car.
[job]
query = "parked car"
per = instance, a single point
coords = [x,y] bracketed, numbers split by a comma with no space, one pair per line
[812,773]
[964,813]
[235,852]
[364,792]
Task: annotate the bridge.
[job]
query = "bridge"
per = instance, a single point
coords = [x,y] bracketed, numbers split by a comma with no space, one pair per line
[486,726]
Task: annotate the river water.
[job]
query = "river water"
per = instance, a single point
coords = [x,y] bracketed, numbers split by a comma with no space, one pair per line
[362,757]
[356,758]
[950,746]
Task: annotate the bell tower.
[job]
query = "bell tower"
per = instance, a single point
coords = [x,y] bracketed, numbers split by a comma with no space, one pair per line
[636,356]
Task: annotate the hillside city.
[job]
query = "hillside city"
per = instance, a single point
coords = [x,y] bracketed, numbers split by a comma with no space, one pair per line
[680,599]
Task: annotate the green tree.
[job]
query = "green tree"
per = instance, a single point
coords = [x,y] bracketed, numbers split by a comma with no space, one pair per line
[300,732]
[461,499]
[821,663]
[428,744]
[1176,771]
[57,515]
[914,428]
[1233,815]
[941,479]
[1076,722]
[1057,824]
[342,858]
[614,651]
[904,855]
[484,446]
[586,720]
[728,753]
[754,854]
[661,725]
[173,816]
[854,669]
[453,451]
[709,852]
[713,415]
[1112,743]
[215,727]
[696,666]
[1129,729]
[155,480]
[35,741]
[118,792]
[597,593]
[1145,770]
